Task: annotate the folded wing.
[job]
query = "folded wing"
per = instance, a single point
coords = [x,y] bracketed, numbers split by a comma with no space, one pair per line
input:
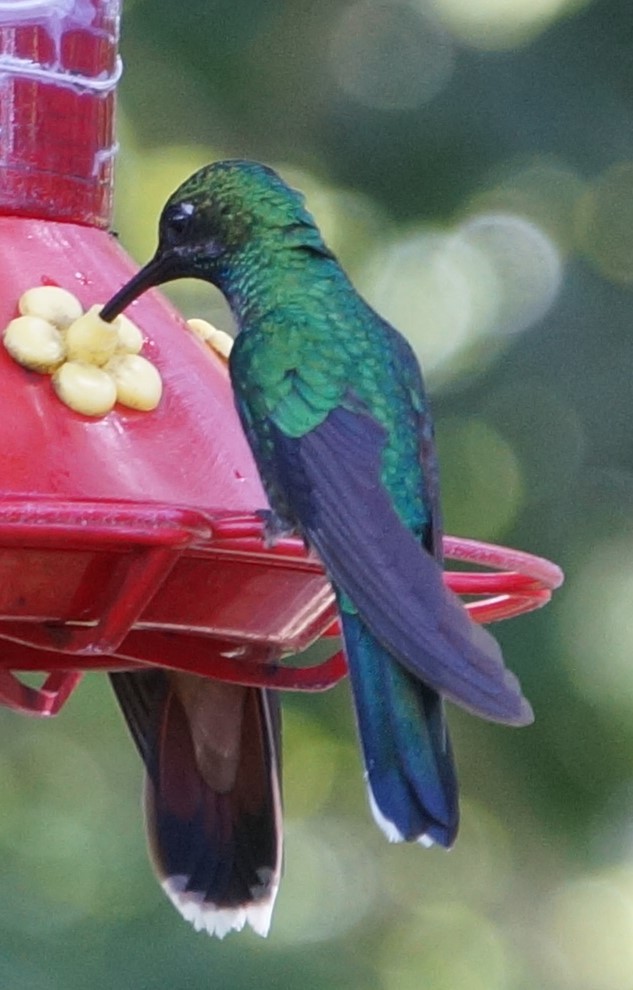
[347,516]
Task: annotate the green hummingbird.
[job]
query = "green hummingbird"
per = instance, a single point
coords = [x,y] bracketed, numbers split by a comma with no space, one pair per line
[332,402]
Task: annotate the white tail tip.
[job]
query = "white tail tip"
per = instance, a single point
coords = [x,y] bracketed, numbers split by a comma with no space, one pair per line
[205,916]
[388,828]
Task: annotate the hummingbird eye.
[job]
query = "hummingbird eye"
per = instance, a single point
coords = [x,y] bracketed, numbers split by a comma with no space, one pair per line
[176,223]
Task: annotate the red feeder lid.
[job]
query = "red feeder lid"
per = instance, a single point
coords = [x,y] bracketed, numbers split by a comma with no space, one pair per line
[111,522]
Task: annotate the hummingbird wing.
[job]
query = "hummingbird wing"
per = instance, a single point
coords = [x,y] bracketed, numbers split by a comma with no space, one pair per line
[347,516]
[212,800]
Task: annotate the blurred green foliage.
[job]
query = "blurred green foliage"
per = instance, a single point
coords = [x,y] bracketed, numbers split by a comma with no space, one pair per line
[472,163]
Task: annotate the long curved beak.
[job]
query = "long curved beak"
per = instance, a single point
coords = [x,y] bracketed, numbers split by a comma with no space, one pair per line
[157,271]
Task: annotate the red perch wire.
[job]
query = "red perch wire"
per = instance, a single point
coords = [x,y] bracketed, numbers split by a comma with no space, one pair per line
[521,583]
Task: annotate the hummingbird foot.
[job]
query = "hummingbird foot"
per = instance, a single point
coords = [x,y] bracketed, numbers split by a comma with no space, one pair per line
[275,527]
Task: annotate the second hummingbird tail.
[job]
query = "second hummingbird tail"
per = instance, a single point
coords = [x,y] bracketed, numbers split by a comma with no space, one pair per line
[212,799]
[408,757]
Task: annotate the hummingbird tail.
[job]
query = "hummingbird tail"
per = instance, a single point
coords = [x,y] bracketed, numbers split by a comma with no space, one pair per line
[212,799]
[407,751]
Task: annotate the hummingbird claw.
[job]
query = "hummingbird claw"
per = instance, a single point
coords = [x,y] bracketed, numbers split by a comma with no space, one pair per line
[275,527]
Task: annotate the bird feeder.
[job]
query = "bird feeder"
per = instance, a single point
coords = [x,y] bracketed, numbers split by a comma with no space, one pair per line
[133,539]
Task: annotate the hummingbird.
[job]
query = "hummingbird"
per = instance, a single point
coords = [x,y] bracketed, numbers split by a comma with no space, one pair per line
[332,402]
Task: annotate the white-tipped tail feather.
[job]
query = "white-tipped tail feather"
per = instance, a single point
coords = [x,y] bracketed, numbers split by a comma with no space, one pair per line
[388,828]
[425,840]
[219,921]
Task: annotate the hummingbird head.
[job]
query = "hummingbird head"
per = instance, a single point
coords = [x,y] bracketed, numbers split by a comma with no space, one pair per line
[210,221]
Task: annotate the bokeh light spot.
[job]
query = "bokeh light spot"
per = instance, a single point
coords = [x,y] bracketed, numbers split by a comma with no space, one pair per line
[526,262]
[329,885]
[388,57]
[592,925]
[50,829]
[445,946]
[457,294]
[597,625]
[480,866]
[482,487]
[498,25]
[605,223]
[545,191]
[312,763]
[437,290]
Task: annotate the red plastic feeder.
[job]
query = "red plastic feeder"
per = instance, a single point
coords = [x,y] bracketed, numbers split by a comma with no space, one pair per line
[133,539]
